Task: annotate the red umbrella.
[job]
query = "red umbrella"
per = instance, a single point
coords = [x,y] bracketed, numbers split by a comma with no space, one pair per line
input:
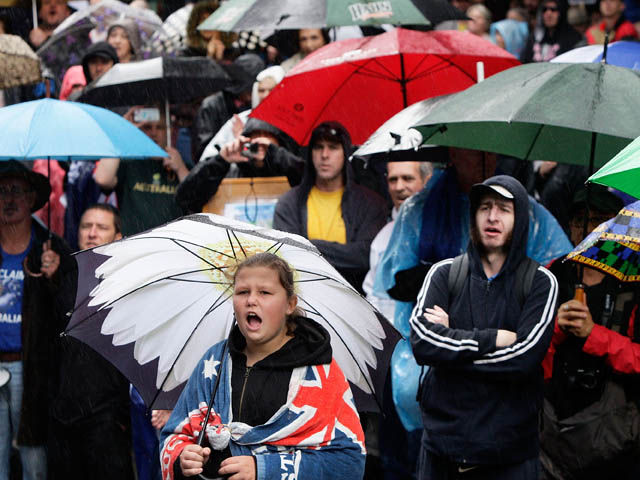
[361,82]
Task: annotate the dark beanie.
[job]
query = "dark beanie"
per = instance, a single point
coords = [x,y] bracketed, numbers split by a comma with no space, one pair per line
[98,50]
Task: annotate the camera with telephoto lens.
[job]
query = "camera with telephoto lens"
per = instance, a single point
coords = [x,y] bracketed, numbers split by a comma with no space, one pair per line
[250,150]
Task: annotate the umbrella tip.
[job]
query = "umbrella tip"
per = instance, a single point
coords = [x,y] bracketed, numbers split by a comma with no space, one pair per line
[604,51]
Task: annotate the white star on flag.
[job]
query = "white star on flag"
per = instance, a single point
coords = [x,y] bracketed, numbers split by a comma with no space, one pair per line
[210,367]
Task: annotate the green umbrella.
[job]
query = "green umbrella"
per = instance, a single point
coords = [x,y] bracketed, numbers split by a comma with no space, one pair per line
[580,114]
[238,15]
[623,171]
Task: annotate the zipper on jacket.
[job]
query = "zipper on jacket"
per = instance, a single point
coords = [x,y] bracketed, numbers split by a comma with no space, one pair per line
[244,385]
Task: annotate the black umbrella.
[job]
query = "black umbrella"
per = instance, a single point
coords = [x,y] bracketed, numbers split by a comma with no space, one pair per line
[172,80]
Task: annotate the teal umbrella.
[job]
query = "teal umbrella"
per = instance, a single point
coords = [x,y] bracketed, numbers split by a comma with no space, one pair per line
[579,114]
[623,171]
[238,15]
[54,129]
[69,131]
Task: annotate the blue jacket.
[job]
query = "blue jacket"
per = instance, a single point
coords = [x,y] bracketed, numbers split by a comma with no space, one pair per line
[480,404]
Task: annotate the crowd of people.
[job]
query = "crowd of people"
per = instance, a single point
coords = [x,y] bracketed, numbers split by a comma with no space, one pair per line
[501,373]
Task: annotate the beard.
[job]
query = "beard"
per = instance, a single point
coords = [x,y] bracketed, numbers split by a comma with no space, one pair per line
[484,251]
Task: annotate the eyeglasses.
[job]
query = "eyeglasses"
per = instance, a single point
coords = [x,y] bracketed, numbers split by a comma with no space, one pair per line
[550,9]
[14,192]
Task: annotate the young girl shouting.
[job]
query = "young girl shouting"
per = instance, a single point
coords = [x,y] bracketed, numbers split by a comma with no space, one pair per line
[283,409]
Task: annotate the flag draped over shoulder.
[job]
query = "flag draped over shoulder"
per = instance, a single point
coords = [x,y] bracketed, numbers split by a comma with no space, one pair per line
[315,435]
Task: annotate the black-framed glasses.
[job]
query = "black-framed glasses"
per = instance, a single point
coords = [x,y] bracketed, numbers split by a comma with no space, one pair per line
[550,8]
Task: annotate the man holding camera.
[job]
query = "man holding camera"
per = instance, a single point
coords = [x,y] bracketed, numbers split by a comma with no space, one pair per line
[261,151]
[145,188]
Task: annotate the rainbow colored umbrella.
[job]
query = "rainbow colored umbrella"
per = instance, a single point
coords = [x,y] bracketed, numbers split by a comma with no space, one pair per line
[614,246]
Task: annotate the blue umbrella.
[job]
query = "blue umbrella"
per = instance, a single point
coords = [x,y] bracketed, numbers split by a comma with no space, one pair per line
[623,54]
[69,131]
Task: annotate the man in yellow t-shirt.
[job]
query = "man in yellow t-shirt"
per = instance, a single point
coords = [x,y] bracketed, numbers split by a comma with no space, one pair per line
[340,217]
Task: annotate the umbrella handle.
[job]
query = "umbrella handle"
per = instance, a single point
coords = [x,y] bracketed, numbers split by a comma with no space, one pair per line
[213,393]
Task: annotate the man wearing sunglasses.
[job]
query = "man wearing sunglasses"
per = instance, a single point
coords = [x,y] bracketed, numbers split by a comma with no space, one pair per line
[552,34]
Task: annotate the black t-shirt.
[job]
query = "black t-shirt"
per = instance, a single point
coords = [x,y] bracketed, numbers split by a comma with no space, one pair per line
[146,195]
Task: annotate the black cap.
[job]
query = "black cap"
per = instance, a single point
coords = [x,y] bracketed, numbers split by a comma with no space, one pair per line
[98,50]
[38,182]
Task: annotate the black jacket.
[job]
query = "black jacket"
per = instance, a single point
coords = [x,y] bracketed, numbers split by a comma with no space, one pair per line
[43,307]
[480,404]
[364,213]
[215,110]
[204,179]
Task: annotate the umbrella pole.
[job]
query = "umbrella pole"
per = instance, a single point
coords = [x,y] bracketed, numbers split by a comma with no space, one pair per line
[587,214]
[34,12]
[167,118]
[203,432]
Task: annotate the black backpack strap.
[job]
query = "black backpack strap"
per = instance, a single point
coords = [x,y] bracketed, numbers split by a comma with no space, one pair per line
[525,274]
[457,275]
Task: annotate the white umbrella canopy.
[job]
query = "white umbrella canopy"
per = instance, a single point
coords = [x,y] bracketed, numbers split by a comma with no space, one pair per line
[152,304]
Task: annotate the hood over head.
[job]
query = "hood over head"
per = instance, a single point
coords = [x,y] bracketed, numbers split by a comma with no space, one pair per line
[38,182]
[73,76]
[101,50]
[257,125]
[243,72]
[563,7]
[276,72]
[133,34]
[507,187]
[335,132]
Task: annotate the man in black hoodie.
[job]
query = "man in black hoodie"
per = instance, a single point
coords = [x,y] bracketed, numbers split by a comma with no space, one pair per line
[481,396]
[340,217]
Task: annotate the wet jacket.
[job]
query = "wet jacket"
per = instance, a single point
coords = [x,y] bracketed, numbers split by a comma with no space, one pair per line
[43,302]
[271,399]
[480,403]
[364,213]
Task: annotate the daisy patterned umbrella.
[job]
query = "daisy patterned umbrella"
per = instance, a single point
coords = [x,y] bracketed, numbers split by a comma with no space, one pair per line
[153,303]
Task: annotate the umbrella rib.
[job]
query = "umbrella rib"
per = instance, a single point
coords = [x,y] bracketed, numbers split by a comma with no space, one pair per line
[364,374]
[178,240]
[365,68]
[140,287]
[335,92]
[233,249]
[239,244]
[535,139]
[213,306]
[198,256]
